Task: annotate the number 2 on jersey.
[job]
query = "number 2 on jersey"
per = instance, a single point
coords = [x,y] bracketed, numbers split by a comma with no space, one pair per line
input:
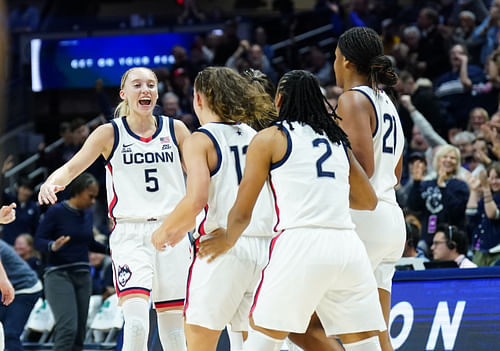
[236,152]
[323,158]
[386,141]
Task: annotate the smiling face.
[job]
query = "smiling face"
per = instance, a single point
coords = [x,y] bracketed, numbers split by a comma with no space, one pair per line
[140,90]
[448,162]
[494,180]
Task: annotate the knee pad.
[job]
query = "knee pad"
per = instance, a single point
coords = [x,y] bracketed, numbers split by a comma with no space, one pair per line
[171,330]
[136,328]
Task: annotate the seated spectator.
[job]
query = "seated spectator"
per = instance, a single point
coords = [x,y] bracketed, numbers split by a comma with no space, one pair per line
[450,244]
[411,245]
[25,248]
[417,163]
[28,289]
[27,211]
[317,64]
[442,198]
[483,214]
[101,271]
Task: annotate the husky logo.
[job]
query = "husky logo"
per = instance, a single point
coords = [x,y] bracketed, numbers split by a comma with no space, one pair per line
[124,274]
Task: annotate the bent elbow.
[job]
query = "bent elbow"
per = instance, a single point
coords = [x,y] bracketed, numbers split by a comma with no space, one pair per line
[373,203]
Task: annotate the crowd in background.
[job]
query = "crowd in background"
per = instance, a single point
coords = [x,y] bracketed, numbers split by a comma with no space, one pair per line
[447,56]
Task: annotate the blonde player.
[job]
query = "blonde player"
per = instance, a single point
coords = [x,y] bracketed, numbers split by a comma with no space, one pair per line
[144,183]
[372,123]
[220,292]
[317,262]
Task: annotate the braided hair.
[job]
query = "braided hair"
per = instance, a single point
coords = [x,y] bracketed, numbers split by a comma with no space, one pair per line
[363,47]
[304,102]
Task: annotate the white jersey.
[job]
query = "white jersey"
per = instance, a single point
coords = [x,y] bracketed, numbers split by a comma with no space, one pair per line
[388,143]
[231,143]
[144,177]
[311,182]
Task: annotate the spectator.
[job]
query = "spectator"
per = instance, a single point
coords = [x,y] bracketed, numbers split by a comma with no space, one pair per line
[486,34]
[27,212]
[25,248]
[432,47]
[450,244]
[183,88]
[411,245]
[61,154]
[228,43]
[171,108]
[260,38]
[101,271]
[65,232]
[483,214]
[461,89]
[477,117]
[28,289]
[415,159]
[318,64]
[463,141]
[442,198]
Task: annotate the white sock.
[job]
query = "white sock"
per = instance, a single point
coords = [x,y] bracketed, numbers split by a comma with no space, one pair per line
[258,341]
[171,330]
[235,339]
[136,328]
[368,344]
[2,341]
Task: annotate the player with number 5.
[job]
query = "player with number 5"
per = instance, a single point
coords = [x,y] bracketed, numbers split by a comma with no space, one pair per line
[144,182]
[372,123]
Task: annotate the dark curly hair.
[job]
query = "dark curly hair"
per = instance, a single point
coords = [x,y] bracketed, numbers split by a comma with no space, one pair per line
[304,102]
[362,46]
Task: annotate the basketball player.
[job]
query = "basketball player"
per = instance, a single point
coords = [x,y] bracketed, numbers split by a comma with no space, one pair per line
[214,160]
[372,123]
[317,262]
[144,183]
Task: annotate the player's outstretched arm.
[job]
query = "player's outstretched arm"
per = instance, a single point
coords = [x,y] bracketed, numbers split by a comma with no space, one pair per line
[182,219]
[264,149]
[361,195]
[100,141]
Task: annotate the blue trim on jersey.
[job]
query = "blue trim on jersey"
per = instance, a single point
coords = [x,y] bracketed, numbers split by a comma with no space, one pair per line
[346,153]
[374,109]
[159,121]
[217,149]
[115,143]
[172,131]
[288,148]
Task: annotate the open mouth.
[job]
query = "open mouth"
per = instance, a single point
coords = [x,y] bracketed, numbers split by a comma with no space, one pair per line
[145,102]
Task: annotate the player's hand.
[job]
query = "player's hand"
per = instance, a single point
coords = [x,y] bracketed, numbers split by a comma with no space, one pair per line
[47,194]
[161,238]
[60,242]
[216,245]
[7,291]
[8,213]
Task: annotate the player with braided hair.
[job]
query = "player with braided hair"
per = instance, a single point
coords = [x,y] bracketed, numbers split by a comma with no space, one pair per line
[314,178]
[371,121]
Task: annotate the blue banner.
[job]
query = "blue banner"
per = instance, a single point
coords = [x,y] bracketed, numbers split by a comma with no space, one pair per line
[446,309]
[79,62]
